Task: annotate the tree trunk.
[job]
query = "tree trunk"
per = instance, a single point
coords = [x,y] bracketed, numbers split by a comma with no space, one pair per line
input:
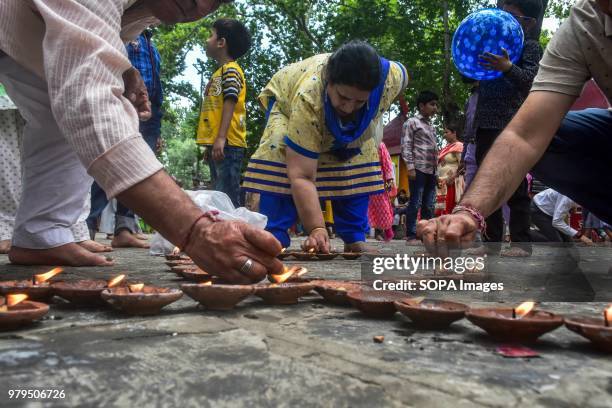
[446,91]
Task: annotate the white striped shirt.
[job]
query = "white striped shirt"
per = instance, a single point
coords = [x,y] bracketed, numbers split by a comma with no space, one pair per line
[77,46]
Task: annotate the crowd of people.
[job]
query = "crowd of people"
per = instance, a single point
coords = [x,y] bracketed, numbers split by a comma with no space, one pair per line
[92,111]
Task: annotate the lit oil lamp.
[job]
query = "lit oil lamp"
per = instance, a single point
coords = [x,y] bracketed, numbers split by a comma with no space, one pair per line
[336,292]
[521,324]
[36,288]
[305,256]
[86,292]
[217,296]
[195,275]
[16,311]
[139,299]
[599,332]
[286,288]
[177,255]
[284,254]
[431,313]
[375,303]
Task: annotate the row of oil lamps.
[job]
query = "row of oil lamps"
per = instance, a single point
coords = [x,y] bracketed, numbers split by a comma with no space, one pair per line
[20,304]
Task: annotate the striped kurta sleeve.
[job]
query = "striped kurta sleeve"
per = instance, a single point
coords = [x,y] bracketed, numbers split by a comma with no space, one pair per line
[84,60]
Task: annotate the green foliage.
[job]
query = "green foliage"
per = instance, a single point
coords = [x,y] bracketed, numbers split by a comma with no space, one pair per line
[284,31]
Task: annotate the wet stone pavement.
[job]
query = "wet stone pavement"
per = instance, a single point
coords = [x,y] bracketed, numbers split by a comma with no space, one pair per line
[310,354]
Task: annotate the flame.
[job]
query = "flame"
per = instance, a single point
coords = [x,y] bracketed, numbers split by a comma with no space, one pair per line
[136,287]
[115,281]
[13,300]
[415,301]
[523,309]
[301,271]
[209,283]
[608,315]
[43,277]
[176,250]
[287,273]
[311,250]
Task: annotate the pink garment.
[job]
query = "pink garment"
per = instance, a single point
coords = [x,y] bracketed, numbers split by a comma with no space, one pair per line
[380,210]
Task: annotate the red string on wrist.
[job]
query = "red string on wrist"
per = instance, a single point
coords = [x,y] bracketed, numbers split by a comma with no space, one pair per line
[477,215]
[212,215]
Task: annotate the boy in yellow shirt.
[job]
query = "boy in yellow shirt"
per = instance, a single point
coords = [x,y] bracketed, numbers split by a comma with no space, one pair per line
[222,124]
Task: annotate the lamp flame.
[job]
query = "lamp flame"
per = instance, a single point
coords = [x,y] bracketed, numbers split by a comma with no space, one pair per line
[176,250]
[208,283]
[608,315]
[136,287]
[115,281]
[522,310]
[13,300]
[288,273]
[43,277]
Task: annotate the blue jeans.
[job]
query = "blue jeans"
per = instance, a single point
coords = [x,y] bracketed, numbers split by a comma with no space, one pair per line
[350,217]
[577,161]
[422,195]
[124,218]
[226,173]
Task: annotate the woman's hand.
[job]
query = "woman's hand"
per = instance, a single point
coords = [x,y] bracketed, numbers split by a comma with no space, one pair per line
[317,240]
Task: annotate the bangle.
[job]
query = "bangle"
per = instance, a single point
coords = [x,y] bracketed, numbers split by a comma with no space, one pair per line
[212,215]
[477,215]
[317,228]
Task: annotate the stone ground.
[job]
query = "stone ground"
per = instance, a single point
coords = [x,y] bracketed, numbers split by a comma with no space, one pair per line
[311,354]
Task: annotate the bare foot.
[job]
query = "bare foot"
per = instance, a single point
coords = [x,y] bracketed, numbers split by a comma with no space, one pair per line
[5,246]
[141,237]
[414,242]
[94,246]
[68,255]
[359,247]
[125,239]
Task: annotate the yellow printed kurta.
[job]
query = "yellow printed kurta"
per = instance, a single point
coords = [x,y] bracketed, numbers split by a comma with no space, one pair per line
[212,108]
[294,103]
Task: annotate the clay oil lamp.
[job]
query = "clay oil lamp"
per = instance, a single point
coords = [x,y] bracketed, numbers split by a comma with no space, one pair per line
[86,292]
[328,257]
[336,292]
[305,256]
[285,253]
[286,288]
[139,299]
[351,256]
[37,288]
[176,255]
[179,262]
[431,313]
[375,303]
[599,331]
[217,296]
[16,311]
[522,324]
[195,275]
[179,269]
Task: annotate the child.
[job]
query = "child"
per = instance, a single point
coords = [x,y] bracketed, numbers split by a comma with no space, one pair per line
[498,102]
[222,125]
[420,152]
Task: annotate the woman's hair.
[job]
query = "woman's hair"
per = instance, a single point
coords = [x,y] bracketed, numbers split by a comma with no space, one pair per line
[455,125]
[356,63]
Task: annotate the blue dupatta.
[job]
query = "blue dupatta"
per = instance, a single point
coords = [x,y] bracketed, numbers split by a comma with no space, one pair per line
[348,133]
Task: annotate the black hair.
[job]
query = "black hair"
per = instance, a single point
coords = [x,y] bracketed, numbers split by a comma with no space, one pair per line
[237,36]
[426,97]
[455,125]
[530,8]
[356,63]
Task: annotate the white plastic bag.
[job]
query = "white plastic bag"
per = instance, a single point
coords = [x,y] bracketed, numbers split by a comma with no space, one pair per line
[209,200]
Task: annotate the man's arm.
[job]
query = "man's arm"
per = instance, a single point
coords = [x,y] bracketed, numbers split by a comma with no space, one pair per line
[562,209]
[517,150]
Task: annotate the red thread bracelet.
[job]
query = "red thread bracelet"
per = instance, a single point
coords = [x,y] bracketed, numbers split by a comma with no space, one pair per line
[212,215]
[477,215]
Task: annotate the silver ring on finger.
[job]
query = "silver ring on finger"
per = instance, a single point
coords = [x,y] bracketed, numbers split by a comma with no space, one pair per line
[247,266]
